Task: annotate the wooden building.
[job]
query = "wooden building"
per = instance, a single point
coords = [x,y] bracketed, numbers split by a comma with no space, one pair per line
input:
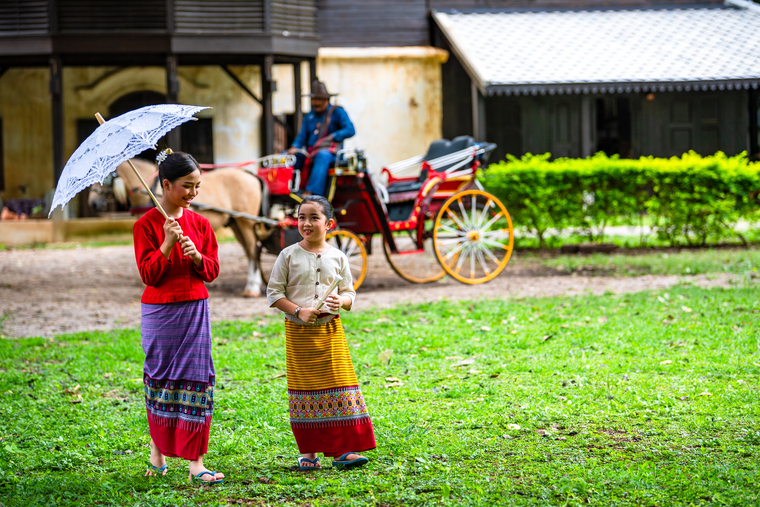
[113,56]
[573,77]
[570,77]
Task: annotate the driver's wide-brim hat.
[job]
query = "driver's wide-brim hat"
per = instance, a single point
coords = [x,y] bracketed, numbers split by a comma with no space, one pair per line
[319,91]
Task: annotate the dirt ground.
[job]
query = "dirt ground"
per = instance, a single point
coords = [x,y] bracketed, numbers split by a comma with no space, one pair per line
[52,291]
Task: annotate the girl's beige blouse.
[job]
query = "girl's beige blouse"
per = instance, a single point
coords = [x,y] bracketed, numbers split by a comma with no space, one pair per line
[303,277]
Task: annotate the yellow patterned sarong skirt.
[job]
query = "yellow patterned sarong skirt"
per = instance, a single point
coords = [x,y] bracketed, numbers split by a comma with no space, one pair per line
[327,409]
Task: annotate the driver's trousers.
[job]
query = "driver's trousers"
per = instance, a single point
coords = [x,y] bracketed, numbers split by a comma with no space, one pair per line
[318,174]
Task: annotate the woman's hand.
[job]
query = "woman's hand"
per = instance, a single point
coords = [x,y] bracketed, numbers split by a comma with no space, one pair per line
[308,315]
[172,234]
[189,250]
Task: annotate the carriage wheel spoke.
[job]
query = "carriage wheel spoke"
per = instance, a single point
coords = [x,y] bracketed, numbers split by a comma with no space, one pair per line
[464,213]
[485,212]
[472,263]
[490,222]
[495,232]
[496,244]
[474,210]
[458,232]
[353,249]
[456,220]
[488,252]
[482,262]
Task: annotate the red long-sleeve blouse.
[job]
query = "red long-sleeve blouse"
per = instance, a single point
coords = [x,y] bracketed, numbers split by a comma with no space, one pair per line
[177,278]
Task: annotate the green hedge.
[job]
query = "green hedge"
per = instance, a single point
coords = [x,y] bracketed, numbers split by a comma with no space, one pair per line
[692,199]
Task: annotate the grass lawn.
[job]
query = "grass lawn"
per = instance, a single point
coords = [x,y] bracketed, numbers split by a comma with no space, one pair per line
[741,261]
[643,399]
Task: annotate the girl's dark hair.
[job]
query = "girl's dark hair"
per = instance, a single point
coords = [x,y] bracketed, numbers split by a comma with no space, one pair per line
[327,208]
[176,165]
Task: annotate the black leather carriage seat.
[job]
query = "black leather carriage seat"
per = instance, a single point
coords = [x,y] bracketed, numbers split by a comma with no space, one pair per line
[444,147]
[406,190]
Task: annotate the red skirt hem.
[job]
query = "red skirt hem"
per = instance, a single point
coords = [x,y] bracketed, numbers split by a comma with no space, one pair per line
[335,441]
[178,442]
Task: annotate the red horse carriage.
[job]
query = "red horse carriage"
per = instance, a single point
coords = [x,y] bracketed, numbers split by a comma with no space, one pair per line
[433,216]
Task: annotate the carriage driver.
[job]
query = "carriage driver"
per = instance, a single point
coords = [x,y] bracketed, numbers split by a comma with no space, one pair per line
[323,130]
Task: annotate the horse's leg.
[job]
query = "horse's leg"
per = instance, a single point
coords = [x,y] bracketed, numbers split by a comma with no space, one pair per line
[248,240]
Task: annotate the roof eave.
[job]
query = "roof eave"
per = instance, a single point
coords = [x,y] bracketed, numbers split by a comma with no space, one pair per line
[476,78]
[621,87]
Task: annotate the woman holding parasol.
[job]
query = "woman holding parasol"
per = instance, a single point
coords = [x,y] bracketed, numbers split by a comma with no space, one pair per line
[175,256]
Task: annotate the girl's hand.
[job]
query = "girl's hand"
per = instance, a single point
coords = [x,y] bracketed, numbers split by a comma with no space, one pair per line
[332,302]
[308,315]
[189,250]
[172,234]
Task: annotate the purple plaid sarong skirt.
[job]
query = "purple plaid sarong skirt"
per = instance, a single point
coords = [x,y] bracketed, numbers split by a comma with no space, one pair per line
[178,376]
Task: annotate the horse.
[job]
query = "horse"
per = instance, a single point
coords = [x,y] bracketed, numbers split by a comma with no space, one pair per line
[230,189]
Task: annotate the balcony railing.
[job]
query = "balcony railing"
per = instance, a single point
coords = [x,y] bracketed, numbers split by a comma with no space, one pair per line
[296,18]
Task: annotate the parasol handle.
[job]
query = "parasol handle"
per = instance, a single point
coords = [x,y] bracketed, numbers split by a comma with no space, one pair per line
[139,176]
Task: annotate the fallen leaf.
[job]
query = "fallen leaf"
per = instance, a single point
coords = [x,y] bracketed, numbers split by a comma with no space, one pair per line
[513,426]
[602,320]
[366,330]
[108,375]
[385,356]
[494,375]
[280,376]
[547,337]
[705,393]
[686,309]
[473,371]
[514,331]
[485,328]
[564,326]
[463,362]
[394,384]
[392,379]
[667,361]
[76,399]
[72,391]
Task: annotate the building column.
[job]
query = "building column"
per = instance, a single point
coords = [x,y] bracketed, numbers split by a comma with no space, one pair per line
[267,116]
[754,142]
[56,94]
[478,113]
[297,91]
[174,137]
[587,126]
[312,70]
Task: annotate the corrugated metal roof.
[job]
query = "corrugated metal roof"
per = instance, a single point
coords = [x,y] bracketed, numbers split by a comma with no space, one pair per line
[588,51]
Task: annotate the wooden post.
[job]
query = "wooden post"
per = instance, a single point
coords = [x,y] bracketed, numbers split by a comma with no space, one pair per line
[297,92]
[754,137]
[478,113]
[267,116]
[139,176]
[312,70]
[174,137]
[587,126]
[56,93]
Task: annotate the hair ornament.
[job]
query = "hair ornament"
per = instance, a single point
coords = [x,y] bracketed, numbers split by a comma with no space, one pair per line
[162,156]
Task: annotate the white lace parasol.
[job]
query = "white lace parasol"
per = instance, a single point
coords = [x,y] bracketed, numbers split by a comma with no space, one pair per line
[115,141]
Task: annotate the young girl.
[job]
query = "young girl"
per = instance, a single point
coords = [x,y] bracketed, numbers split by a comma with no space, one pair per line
[327,409]
[175,256]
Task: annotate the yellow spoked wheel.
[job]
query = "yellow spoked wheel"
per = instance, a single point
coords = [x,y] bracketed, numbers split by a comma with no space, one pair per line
[411,263]
[351,245]
[473,236]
